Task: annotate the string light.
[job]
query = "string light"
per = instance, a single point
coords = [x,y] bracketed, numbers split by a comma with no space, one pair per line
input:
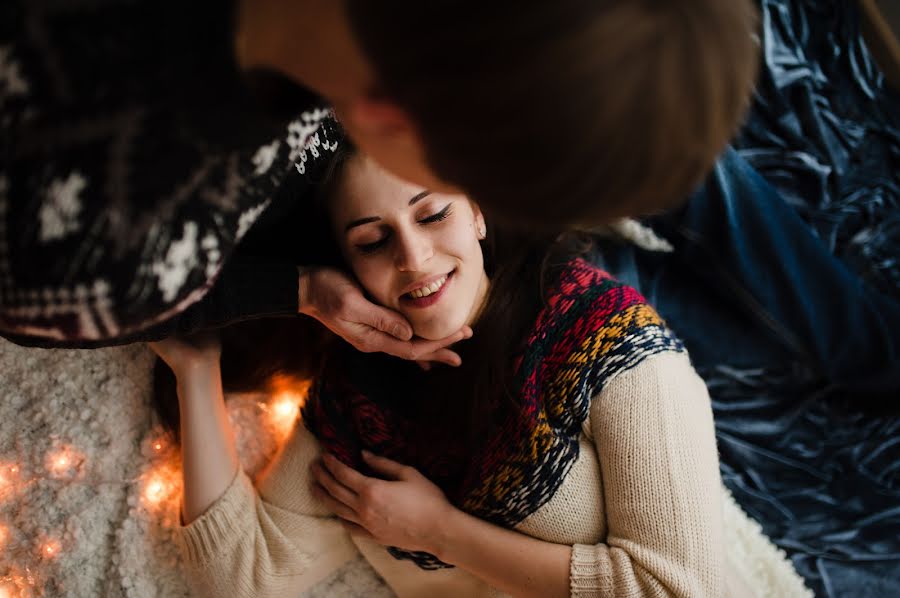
[50,549]
[17,585]
[160,484]
[8,475]
[289,394]
[64,462]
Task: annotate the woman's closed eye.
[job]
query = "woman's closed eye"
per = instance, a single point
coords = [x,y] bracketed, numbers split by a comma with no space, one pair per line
[372,247]
[442,215]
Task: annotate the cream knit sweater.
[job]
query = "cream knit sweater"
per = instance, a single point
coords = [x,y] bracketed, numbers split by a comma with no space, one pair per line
[642,507]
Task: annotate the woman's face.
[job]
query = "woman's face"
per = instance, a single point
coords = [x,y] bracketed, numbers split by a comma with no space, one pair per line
[414,251]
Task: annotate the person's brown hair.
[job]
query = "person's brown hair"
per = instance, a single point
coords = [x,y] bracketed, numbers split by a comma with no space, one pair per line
[566,112]
[467,400]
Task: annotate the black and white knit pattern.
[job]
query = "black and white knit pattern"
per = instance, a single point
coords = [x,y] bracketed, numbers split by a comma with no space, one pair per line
[133,162]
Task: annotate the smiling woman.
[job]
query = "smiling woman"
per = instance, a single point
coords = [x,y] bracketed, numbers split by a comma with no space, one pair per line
[572,451]
[414,251]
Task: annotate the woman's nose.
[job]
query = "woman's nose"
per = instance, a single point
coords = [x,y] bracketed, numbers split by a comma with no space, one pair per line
[413,251]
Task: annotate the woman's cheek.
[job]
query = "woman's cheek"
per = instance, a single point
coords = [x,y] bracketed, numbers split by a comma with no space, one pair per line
[373,273]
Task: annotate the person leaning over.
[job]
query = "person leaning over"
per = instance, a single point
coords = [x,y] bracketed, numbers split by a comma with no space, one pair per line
[134,170]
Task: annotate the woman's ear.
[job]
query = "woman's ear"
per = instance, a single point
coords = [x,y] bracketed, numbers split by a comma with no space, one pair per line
[480,225]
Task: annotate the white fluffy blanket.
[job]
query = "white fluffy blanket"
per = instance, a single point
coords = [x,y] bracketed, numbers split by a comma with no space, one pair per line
[89,486]
[87,501]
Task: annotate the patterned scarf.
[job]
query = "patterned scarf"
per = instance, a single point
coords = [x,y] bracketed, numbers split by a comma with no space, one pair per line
[591,329]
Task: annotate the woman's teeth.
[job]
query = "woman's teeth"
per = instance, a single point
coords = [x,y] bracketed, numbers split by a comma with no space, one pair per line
[428,290]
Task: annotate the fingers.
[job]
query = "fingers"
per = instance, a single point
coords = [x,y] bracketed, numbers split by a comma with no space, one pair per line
[424,350]
[335,506]
[384,320]
[347,476]
[445,356]
[437,351]
[338,302]
[461,334]
[337,490]
[389,467]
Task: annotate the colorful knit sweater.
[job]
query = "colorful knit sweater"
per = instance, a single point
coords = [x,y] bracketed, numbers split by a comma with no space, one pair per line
[613,454]
[591,329]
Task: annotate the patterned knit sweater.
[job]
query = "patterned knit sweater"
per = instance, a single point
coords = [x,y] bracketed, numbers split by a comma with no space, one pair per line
[614,454]
[135,162]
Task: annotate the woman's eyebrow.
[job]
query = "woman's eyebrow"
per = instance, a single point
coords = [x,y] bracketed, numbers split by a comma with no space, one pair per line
[419,196]
[361,221]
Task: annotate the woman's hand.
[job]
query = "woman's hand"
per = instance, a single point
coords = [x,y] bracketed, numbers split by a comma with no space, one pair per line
[198,352]
[405,510]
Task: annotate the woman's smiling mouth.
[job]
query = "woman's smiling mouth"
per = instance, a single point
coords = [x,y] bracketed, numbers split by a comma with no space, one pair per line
[428,294]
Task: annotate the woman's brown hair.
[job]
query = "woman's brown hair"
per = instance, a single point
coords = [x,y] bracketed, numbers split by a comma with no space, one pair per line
[462,402]
[566,112]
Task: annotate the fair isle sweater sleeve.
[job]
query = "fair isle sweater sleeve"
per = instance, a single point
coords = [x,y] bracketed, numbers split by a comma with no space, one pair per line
[276,540]
[653,430]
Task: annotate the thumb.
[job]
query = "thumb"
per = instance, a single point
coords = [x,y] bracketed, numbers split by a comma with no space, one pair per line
[388,321]
[384,465]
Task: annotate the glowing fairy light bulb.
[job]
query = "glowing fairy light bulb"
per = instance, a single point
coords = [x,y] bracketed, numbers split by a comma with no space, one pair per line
[6,480]
[63,462]
[8,474]
[50,549]
[154,491]
[17,585]
[160,485]
[283,411]
[286,409]
[157,446]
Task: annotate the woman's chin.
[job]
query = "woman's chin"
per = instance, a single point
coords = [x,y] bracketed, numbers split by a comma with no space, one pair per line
[435,331]
[428,334]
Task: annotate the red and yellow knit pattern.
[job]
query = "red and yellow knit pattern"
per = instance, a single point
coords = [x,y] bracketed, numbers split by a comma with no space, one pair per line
[592,328]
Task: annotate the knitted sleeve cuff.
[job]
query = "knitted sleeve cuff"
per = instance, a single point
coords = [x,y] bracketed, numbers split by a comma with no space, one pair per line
[588,571]
[227,521]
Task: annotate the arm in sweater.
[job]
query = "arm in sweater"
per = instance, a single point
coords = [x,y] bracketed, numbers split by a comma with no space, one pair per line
[653,430]
[238,544]
[652,427]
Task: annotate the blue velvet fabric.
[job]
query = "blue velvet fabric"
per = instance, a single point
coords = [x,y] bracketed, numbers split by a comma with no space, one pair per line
[785,286]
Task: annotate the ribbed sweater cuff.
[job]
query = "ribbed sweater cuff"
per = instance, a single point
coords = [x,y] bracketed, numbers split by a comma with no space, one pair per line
[587,576]
[227,520]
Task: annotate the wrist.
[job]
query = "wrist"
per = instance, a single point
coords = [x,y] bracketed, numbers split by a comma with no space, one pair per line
[196,372]
[449,529]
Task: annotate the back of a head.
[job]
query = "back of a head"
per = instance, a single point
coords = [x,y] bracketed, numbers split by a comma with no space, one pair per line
[569,112]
